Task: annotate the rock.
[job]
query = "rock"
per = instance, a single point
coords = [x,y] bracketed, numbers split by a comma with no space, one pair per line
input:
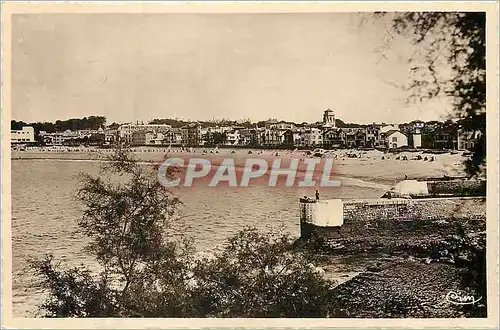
[374,269]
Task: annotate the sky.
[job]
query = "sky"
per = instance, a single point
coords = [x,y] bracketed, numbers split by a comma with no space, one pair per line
[137,67]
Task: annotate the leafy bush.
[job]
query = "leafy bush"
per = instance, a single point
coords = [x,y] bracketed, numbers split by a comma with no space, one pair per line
[260,276]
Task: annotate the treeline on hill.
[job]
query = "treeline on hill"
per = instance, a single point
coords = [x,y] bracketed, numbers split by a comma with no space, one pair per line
[73,124]
[177,123]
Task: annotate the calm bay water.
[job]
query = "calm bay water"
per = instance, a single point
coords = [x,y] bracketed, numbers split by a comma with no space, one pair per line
[44,215]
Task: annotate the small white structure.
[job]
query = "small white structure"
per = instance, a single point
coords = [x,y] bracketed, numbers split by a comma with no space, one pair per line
[416,131]
[323,213]
[411,187]
[25,135]
[417,140]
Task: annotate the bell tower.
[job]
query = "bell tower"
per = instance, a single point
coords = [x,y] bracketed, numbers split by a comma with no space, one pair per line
[329,118]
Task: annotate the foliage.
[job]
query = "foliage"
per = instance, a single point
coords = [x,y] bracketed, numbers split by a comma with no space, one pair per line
[477,162]
[86,123]
[74,292]
[260,276]
[178,123]
[114,126]
[148,271]
[125,221]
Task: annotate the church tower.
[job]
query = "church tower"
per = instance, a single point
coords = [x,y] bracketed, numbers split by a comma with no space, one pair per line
[329,118]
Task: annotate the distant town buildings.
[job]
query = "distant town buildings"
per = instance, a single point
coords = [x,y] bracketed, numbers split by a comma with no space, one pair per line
[126,131]
[372,135]
[75,138]
[330,133]
[24,135]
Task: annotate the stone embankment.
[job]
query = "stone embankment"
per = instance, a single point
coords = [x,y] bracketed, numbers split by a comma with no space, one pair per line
[398,219]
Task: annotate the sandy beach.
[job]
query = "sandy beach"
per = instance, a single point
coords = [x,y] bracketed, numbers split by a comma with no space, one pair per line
[371,165]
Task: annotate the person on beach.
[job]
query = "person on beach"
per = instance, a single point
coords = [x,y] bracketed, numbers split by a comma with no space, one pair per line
[317,195]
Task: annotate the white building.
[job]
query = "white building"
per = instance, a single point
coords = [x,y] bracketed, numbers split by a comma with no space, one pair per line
[173,137]
[247,137]
[298,139]
[157,138]
[232,138]
[59,138]
[272,137]
[395,139]
[24,135]
[313,137]
[52,139]
[110,136]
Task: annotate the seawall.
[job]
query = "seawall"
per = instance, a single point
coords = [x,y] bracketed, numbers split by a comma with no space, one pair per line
[430,212]
[395,218]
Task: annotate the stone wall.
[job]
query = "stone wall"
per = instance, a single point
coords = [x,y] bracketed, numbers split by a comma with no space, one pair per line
[400,218]
[457,188]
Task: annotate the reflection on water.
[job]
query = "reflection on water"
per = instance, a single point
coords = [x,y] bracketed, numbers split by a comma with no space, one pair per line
[44,215]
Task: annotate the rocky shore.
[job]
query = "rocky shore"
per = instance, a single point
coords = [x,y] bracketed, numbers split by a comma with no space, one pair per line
[421,275]
[406,288]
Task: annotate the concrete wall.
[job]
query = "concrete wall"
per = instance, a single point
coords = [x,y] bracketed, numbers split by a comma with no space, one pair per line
[396,218]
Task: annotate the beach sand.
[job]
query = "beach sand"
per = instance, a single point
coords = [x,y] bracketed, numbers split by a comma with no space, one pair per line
[373,165]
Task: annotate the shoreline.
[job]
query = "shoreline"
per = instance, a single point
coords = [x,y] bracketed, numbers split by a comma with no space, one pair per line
[373,166]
